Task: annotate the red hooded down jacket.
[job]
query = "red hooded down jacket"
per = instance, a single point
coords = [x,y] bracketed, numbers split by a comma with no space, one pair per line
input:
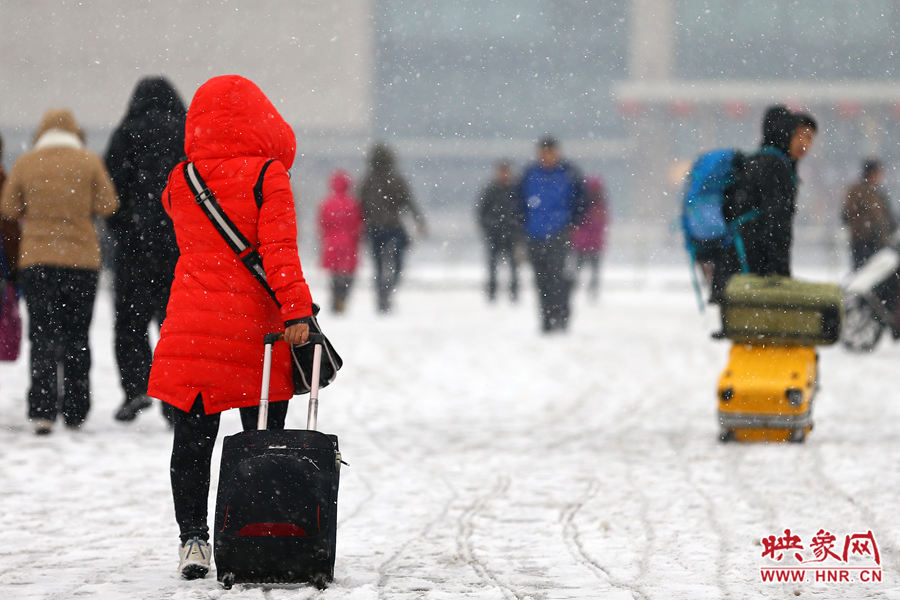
[211,342]
[340,227]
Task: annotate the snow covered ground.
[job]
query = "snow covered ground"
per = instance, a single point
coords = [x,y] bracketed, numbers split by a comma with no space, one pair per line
[488,462]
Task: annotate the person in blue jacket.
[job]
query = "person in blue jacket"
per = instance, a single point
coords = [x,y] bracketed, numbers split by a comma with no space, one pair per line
[552,193]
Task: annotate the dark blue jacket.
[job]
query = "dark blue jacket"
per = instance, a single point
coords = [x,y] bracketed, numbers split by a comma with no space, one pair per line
[552,199]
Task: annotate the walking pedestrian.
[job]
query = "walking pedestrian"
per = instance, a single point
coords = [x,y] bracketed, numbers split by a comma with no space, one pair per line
[386,200]
[208,356]
[552,191]
[499,211]
[589,238]
[867,213]
[57,189]
[340,229]
[142,151]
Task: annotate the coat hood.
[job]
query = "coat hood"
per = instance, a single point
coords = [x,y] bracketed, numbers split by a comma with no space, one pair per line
[778,127]
[381,159]
[230,116]
[155,94]
[340,182]
[58,118]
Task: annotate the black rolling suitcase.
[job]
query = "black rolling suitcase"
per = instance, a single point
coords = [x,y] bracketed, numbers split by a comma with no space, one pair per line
[276,508]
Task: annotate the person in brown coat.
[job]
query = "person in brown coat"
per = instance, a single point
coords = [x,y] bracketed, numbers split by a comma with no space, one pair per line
[867,214]
[386,200]
[56,190]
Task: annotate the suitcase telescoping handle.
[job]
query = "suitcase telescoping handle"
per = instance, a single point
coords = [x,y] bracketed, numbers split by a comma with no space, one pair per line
[317,339]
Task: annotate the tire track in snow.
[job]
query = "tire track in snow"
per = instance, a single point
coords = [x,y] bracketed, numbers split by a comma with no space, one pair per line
[109,573]
[868,515]
[711,511]
[376,443]
[572,539]
[761,500]
[423,534]
[361,504]
[386,581]
[466,547]
[649,535]
[624,421]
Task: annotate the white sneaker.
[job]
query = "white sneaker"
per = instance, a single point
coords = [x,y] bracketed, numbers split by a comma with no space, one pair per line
[194,557]
[43,426]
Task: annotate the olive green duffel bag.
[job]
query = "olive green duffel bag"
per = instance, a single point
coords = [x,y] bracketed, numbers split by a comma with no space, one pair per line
[781,310]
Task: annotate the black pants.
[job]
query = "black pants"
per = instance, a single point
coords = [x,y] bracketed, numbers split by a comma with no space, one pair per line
[553,273]
[388,250]
[340,291]
[725,264]
[861,251]
[501,249]
[142,292]
[192,449]
[60,305]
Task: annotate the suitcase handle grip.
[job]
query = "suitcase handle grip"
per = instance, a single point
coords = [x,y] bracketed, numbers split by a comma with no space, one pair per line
[314,338]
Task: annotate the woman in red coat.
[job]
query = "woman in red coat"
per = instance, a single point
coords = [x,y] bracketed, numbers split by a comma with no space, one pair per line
[589,238]
[340,229]
[209,356]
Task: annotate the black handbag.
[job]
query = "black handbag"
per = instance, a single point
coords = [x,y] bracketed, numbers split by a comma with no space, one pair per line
[302,355]
[302,359]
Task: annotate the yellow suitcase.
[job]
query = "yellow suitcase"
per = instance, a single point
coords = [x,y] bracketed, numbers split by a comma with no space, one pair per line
[766,393]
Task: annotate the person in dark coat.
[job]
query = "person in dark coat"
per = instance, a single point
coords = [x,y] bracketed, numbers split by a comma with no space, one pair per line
[769,191]
[142,151]
[499,211]
[386,200]
[552,193]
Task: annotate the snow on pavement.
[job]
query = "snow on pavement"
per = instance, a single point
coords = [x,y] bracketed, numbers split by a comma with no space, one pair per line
[487,462]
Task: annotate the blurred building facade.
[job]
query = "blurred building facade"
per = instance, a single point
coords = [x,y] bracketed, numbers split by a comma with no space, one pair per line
[633,89]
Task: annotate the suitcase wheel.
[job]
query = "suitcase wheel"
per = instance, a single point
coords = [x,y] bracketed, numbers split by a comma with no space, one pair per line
[228,581]
[727,435]
[320,580]
[798,436]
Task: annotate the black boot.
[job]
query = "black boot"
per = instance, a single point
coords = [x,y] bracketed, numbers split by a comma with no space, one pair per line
[132,407]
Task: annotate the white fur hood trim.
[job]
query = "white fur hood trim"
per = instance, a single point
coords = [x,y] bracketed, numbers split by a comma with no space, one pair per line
[58,138]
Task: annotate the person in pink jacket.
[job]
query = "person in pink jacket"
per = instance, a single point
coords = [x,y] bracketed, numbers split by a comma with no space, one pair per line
[340,230]
[589,238]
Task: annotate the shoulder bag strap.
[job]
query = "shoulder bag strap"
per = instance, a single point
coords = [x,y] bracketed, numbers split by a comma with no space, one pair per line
[258,188]
[241,246]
